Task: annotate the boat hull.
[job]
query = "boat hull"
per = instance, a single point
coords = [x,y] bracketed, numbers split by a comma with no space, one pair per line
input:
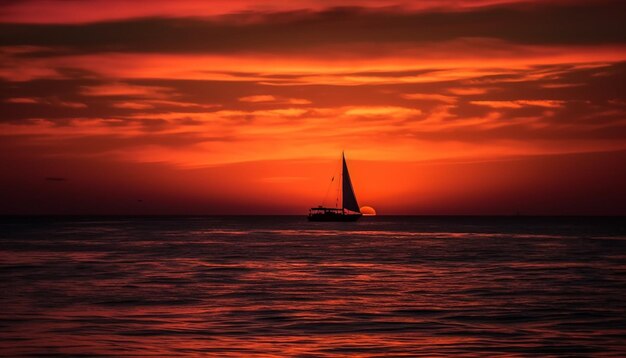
[334,217]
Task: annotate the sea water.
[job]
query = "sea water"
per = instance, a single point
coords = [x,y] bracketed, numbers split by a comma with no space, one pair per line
[281,286]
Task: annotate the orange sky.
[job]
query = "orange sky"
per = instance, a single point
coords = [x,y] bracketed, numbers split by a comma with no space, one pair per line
[453,107]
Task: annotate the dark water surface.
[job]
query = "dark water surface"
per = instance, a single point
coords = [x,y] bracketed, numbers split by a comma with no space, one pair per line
[279,286]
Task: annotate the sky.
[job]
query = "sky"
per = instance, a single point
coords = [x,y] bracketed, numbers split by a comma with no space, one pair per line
[450,107]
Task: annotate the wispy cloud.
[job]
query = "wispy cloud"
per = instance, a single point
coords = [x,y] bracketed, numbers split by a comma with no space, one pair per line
[258,98]
[126,90]
[520,103]
[468,91]
[23,100]
[132,105]
[430,97]
[53,101]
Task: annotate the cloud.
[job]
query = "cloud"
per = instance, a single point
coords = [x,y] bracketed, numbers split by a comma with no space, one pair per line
[529,127]
[258,98]
[60,11]
[126,90]
[71,104]
[430,97]
[520,103]
[181,104]
[161,104]
[53,101]
[22,100]
[297,101]
[432,62]
[466,98]
[387,111]
[132,105]
[561,85]
[468,91]
[287,31]
[274,99]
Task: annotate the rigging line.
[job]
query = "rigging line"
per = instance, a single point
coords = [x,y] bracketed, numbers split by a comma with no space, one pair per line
[330,185]
[340,184]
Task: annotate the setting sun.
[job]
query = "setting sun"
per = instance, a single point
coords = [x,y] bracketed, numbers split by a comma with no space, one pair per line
[368,211]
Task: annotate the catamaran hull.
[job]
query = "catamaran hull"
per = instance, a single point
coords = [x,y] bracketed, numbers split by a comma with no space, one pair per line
[335,217]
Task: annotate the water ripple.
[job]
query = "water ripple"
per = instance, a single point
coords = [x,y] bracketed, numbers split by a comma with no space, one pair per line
[279,286]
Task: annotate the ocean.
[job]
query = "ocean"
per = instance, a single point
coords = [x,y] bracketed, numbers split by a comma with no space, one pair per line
[277,286]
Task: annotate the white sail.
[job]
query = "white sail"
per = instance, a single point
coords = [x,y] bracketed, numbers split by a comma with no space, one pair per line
[348,198]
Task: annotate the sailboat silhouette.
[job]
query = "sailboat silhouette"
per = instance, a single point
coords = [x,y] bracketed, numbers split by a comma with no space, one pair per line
[349,210]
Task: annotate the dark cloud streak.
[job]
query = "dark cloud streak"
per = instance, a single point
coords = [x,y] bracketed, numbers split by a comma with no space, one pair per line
[591,23]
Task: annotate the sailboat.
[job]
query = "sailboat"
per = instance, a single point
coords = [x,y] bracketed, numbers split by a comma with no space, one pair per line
[349,210]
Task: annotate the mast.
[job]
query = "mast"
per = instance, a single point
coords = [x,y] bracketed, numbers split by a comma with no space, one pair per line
[348,199]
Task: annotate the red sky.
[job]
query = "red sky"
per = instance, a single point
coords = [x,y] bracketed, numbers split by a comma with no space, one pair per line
[194,107]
